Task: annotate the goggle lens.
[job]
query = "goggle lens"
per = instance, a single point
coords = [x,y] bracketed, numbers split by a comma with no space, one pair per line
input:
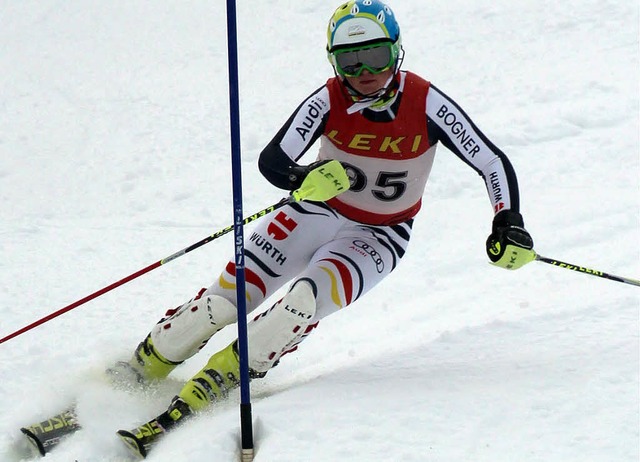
[376,59]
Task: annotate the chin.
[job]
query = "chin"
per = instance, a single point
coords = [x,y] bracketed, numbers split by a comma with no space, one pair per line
[364,88]
[369,91]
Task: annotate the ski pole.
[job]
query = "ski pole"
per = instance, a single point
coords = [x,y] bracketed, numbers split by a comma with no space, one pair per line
[584,270]
[153,266]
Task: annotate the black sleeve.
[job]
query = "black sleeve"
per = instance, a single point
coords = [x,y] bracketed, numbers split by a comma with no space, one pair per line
[274,163]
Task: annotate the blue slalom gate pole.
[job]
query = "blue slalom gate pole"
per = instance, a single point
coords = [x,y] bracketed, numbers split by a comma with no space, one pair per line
[246,429]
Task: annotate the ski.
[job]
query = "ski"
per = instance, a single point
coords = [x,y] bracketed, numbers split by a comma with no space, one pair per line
[45,435]
[140,440]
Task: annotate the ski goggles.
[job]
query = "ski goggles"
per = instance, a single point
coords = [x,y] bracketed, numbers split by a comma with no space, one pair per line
[350,62]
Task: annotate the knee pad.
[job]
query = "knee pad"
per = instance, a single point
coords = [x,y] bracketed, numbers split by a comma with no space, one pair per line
[187,329]
[281,328]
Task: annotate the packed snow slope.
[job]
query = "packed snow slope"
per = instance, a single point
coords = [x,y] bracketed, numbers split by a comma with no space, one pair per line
[115,153]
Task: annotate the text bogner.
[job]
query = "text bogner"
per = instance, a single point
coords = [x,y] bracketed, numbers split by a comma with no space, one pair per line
[467,142]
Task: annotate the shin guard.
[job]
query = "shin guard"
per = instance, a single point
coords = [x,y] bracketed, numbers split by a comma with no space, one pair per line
[271,334]
[177,337]
[281,328]
[186,330]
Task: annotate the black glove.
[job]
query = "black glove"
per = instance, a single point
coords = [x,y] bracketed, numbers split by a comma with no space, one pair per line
[509,245]
[298,173]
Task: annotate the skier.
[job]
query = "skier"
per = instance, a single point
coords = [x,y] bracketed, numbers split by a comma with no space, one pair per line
[382,125]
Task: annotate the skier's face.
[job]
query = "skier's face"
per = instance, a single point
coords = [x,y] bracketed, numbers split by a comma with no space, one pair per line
[367,83]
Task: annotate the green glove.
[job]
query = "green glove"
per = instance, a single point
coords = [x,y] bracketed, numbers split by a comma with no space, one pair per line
[323,181]
[510,246]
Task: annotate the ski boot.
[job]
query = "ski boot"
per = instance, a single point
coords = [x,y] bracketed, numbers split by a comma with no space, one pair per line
[145,366]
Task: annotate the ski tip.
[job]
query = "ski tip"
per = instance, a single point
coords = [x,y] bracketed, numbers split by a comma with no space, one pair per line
[35,442]
[132,443]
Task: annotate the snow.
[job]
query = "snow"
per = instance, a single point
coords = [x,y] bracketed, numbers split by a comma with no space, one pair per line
[115,154]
